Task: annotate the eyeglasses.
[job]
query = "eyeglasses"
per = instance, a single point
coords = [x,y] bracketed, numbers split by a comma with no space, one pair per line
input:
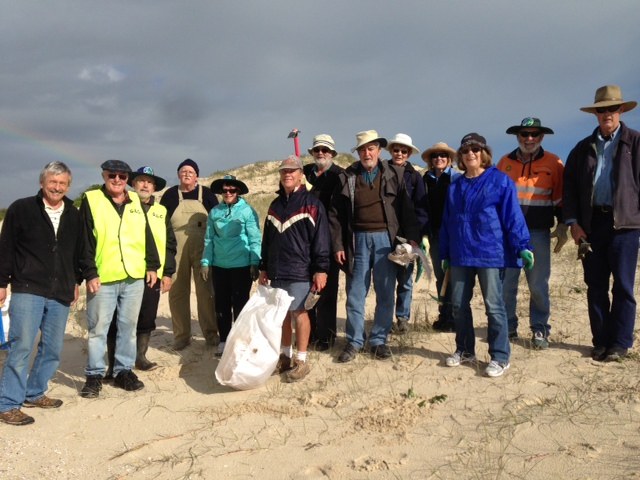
[229,190]
[439,155]
[529,134]
[611,109]
[464,151]
[320,150]
[186,173]
[403,151]
[121,176]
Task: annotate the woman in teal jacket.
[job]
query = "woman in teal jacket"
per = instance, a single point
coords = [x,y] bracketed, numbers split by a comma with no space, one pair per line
[483,231]
[232,244]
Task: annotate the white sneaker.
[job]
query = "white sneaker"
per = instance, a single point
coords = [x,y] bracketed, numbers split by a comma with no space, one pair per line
[496,369]
[458,358]
[220,349]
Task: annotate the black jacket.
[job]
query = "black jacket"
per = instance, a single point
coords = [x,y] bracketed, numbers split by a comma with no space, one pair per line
[32,258]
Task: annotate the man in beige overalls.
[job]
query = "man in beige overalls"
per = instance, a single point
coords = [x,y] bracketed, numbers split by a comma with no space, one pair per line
[188,205]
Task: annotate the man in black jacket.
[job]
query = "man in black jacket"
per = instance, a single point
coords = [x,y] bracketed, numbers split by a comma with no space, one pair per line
[601,204]
[39,252]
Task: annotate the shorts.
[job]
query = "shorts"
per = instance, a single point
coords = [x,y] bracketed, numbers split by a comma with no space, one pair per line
[297,290]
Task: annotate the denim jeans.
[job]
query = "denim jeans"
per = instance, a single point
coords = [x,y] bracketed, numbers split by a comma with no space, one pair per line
[404,290]
[126,295]
[370,255]
[615,253]
[30,314]
[538,281]
[463,280]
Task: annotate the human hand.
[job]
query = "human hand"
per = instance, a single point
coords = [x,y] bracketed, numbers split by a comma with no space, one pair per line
[204,273]
[263,278]
[527,258]
[340,257]
[319,281]
[93,285]
[165,284]
[152,278]
[577,233]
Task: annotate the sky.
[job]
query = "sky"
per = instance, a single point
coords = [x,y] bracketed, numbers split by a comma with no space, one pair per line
[153,82]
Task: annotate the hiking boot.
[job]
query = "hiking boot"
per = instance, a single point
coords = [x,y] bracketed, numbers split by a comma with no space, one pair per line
[441,325]
[298,372]
[402,326]
[92,386]
[496,369]
[539,341]
[615,354]
[348,354]
[283,365]
[598,353]
[381,352]
[16,417]
[127,380]
[142,345]
[43,402]
[458,358]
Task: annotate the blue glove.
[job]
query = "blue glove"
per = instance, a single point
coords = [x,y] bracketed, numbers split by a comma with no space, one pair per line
[445,265]
[527,258]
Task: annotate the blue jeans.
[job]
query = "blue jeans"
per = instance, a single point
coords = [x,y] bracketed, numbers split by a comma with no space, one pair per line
[30,314]
[404,291]
[463,279]
[127,296]
[370,255]
[615,253]
[538,281]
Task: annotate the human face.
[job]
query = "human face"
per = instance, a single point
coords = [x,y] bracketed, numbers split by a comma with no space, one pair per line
[188,178]
[229,194]
[609,121]
[290,178]
[144,186]
[530,140]
[369,154]
[439,161]
[399,153]
[115,182]
[322,157]
[472,159]
[54,188]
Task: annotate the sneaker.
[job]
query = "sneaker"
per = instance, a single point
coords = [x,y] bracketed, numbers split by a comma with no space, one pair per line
[127,380]
[381,352]
[539,341]
[458,358]
[348,354]
[298,372]
[220,349]
[598,354]
[92,387]
[443,326]
[615,354]
[43,402]
[16,417]
[402,326]
[496,369]
[283,365]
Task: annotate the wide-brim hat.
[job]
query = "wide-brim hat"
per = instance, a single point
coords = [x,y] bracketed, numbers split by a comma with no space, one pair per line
[438,147]
[216,185]
[403,139]
[608,96]
[529,122]
[148,171]
[368,136]
[323,140]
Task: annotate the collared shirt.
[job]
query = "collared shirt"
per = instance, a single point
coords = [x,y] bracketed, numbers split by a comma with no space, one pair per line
[54,215]
[603,178]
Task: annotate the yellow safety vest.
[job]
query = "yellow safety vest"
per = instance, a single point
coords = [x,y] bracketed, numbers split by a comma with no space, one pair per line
[157,217]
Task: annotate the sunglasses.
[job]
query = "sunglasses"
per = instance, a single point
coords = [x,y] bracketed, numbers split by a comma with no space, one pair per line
[464,151]
[403,151]
[229,190]
[439,155]
[121,176]
[611,109]
[529,134]
[320,150]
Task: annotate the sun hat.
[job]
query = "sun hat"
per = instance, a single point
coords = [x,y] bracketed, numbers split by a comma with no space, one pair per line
[474,138]
[402,139]
[529,122]
[438,147]
[368,136]
[216,185]
[116,166]
[190,163]
[148,171]
[324,140]
[608,96]
[290,163]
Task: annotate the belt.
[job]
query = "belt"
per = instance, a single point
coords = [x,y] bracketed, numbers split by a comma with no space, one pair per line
[603,208]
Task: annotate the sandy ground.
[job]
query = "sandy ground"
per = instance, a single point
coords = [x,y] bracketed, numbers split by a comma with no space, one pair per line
[555,414]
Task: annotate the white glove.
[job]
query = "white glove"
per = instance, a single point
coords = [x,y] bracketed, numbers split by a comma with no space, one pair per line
[561,234]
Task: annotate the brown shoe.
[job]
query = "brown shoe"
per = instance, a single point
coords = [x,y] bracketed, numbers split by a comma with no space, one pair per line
[298,372]
[43,402]
[283,365]
[16,417]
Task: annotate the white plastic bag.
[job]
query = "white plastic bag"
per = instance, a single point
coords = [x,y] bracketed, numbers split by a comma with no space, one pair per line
[253,345]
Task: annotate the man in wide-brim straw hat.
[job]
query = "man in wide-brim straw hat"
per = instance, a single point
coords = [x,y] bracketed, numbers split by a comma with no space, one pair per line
[601,203]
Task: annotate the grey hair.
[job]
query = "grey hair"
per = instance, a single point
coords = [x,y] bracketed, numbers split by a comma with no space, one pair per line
[55,168]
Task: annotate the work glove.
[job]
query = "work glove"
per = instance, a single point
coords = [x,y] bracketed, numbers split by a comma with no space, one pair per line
[527,258]
[445,265]
[254,272]
[561,234]
[204,273]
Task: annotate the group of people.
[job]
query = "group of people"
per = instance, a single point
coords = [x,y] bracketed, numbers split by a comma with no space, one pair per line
[479,221]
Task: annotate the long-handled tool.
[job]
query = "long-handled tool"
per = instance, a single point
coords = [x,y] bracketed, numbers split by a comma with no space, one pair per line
[443,288]
[296,143]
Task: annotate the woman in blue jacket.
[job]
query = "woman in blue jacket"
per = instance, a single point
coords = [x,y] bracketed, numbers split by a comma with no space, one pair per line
[483,232]
[232,245]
